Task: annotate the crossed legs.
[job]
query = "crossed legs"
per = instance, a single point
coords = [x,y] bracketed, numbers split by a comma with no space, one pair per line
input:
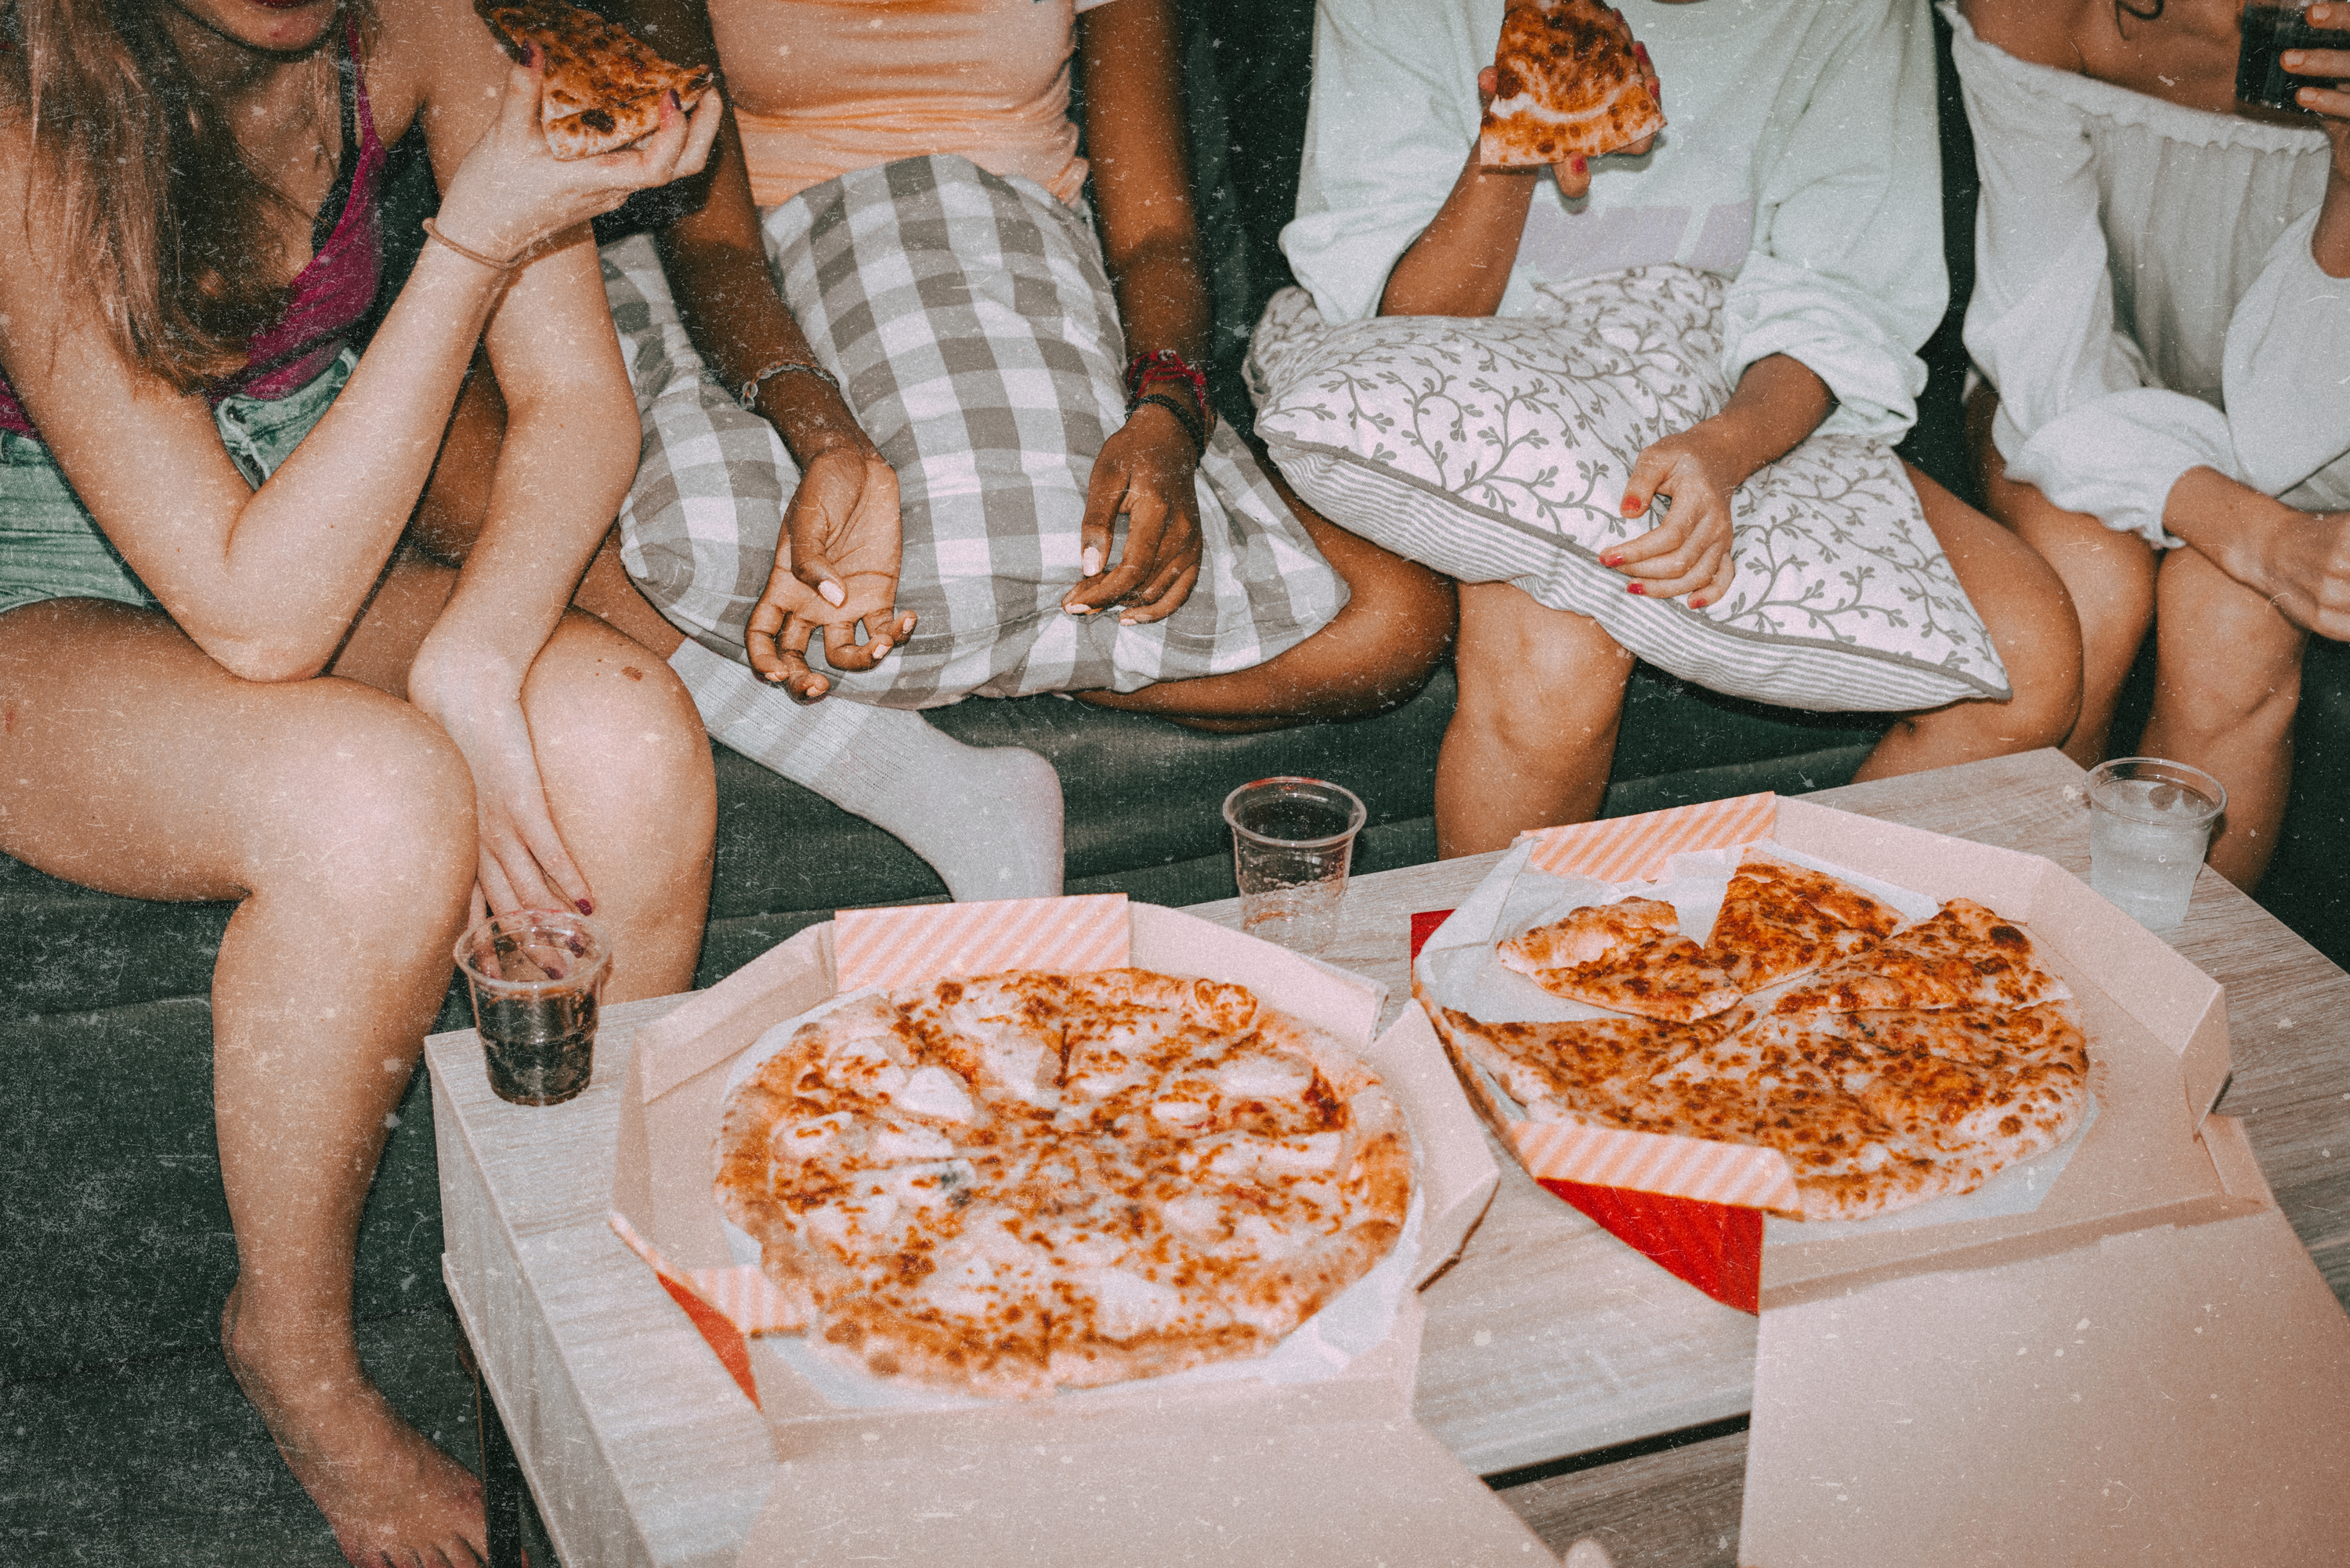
[341,819]
[2226,664]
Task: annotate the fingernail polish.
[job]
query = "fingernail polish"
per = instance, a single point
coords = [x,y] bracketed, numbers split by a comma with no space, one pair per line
[586,908]
[1078,609]
[1611,560]
[1092,562]
[832,594]
[1635,589]
[1582,166]
[882,647]
[1631,507]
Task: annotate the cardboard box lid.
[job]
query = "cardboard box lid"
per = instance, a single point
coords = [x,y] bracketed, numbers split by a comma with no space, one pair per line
[2169,1395]
[1262,1495]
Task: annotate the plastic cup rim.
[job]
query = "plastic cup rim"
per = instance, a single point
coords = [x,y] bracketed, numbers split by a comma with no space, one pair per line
[2213,792]
[1356,815]
[599,958]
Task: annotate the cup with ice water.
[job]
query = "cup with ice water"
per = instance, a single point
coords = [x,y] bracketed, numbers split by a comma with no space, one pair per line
[536,976]
[1292,840]
[2150,823]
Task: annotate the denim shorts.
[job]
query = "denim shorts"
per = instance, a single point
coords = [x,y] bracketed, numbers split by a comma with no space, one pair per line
[52,548]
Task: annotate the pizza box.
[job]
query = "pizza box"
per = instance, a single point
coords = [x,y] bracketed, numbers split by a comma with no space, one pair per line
[1044,1479]
[2158,1045]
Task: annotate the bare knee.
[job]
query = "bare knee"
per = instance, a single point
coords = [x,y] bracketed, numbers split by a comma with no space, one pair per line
[619,743]
[1538,676]
[372,796]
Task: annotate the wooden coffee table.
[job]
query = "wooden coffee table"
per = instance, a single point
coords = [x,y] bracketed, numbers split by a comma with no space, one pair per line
[1555,1355]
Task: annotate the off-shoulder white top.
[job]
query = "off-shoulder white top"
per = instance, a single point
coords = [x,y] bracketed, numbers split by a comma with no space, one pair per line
[2145,298]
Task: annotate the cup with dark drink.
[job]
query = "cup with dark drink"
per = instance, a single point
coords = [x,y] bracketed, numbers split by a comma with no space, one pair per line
[2272,28]
[536,975]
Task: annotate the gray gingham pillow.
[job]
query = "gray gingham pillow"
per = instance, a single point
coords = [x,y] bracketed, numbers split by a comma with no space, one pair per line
[1497,449]
[974,330]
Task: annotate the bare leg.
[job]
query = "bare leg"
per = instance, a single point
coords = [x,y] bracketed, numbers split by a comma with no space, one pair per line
[2029,619]
[1378,651]
[343,820]
[2109,575]
[621,753]
[2228,685]
[1541,693]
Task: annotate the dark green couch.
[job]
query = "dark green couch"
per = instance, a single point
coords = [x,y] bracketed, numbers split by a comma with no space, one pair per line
[107,1158]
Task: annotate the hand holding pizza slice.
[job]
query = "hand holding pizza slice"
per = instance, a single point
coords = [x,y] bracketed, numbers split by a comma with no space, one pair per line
[1568,84]
[604,87]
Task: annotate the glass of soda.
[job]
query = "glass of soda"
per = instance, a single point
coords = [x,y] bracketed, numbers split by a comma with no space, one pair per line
[2272,28]
[536,975]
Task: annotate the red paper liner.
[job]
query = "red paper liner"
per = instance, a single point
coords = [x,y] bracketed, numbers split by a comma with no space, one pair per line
[1717,1247]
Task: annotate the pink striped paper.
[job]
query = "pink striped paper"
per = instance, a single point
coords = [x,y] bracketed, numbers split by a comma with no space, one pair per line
[1737,1174]
[740,1294]
[927,942]
[1623,848]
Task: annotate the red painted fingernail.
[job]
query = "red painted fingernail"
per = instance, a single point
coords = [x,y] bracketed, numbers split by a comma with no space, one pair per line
[586,908]
[1700,604]
[1611,560]
[1635,589]
[1582,166]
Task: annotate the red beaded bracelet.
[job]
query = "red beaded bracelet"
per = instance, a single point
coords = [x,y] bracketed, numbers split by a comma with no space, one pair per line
[1165,364]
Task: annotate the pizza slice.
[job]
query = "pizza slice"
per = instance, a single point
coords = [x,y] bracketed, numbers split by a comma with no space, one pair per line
[1965,956]
[1567,85]
[1584,1071]
[603,86]
[1780,920]
[1589,935]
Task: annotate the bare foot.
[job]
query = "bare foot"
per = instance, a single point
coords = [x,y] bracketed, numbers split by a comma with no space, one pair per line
[392,1498]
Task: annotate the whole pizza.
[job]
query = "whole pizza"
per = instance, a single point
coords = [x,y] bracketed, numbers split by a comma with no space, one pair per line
[1028,1181]
[1888,1065]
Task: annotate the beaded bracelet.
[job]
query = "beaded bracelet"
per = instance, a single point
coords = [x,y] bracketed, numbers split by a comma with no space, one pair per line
[1190,421]
[749,395]
[1168,365]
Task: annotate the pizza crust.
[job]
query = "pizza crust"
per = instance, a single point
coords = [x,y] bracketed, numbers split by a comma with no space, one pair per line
[1567,84]
[601,85]
[1022,1182]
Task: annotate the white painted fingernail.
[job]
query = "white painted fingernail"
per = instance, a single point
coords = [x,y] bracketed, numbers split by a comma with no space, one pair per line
[832,594]
[882,647]
[1079,609]
[1093,560]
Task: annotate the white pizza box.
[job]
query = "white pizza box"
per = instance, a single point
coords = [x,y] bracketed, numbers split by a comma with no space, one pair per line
[2157,1027]
[2172,1394]
[1021,1471]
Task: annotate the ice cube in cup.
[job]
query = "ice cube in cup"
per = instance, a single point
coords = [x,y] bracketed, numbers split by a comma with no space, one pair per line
[2149,823]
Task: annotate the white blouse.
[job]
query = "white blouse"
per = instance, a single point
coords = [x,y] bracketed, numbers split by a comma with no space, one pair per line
[2144,297]
[1800,161]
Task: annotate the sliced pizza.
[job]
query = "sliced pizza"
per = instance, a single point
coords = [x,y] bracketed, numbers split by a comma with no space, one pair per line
[1584,1071]
[1780,920]
[603,86]
[1965,956]
[1589,935]
[1567,85]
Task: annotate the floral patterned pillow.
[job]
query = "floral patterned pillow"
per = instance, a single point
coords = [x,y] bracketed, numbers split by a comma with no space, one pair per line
[1497,449]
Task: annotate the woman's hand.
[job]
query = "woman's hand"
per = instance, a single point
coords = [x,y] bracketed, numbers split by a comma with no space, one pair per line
[512,193]
[1145,471]
[837,570]
[1574,176]
[523,864]
[1689,553]
[2330,243]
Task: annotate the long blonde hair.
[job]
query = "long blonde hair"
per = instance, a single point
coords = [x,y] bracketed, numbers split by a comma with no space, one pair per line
[142,186]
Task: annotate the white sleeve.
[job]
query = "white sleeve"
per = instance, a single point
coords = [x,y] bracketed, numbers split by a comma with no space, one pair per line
[2077,415]
[1393,115]
[1847,272]
[2287,362]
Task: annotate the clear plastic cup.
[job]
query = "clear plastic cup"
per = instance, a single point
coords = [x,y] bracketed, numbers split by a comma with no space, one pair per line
[536,976]
[1292,840]
[2149,823]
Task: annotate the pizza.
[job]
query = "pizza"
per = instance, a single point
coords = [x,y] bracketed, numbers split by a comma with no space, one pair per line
[603,86]
[1965,956]
[1027,1181]
[1780,920]
[1627,956]
[1915,1063]
[1567,84]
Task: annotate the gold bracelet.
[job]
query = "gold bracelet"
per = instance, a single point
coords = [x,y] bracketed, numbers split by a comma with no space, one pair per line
[471,255]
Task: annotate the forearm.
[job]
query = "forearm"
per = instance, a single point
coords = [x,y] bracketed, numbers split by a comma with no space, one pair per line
[284,587]
[1778,402]
[1461,264]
